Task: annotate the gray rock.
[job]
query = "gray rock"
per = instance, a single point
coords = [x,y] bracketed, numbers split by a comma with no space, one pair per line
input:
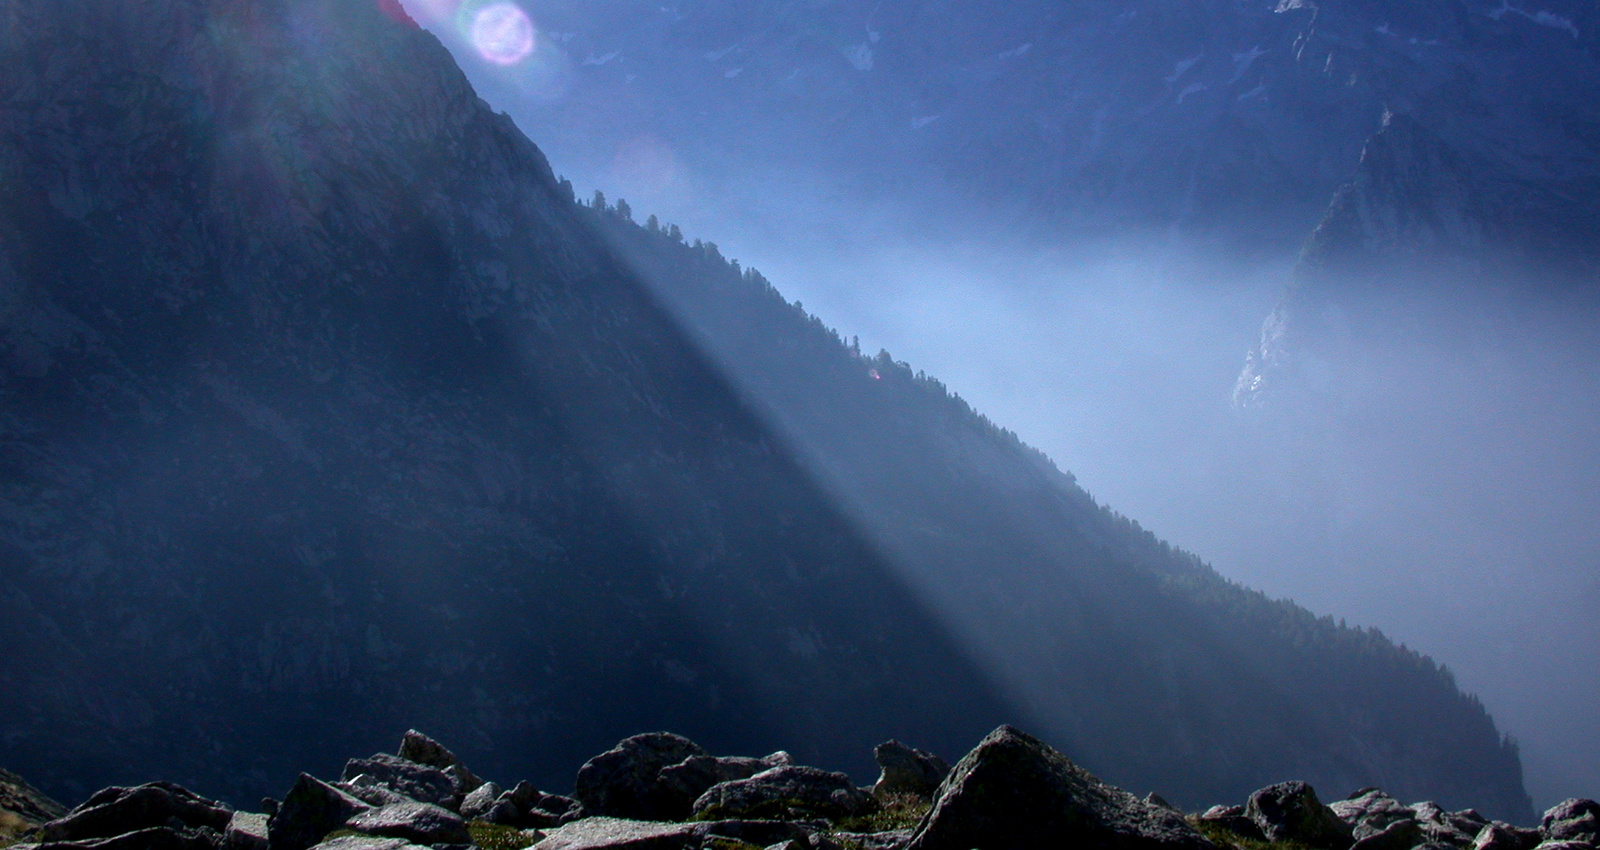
[153,838]
[1564,844]
[1573,819]
[1012,791]
[890,840]
[1504,836]
[527,807]
[757,832]
[905,770]
[364,842]
[1398,835]
[420,823]
[478,802]
[116,811]
[1456,829]
[418,781]
[417,747]
[607,832]
[245,831]
[623,782]
[1232,819]
[1290,811]
[310,810]
[789,792]
[369,791]
[695,775]
[1369,811]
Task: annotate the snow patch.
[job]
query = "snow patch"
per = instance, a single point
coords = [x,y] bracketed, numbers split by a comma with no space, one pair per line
[1384,30]
[592,59]
[1192,88]
[923,121]
[732,72]
[562,37]
[1182,67]
[1016,52]
[1543,18]
[716,55]
[860,57]
[1255,92]
[873,35]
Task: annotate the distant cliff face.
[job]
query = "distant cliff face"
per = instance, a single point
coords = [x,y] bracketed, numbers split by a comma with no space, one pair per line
[325,412]
[1223,119]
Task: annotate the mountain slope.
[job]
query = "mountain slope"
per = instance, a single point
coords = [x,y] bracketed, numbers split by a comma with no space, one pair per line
[327,412]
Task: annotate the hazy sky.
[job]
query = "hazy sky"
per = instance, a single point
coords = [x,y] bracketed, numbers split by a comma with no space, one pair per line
[1448,493]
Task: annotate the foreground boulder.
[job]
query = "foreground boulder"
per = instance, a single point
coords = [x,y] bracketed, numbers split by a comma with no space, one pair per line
[311,810]
[1014,792]
[526,807]
[114,812]
[1232,819]
[405,777]
[789,792]
[624,781]
[906,770]
[420,823]
[1572,820]
[1290,811]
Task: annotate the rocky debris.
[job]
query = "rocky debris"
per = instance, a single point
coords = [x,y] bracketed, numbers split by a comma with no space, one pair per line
[364,842]
[1504,836]
[906,770]
[405,777]
[117,811]
[789,792]
[1572,820]
[310,810]
[1370,811]
[419,748]
[695,775]
[597,832]
[421,823]
[624,781]
[1011,791]
[1290,811]
[245,831]
[1014,791]
[527,807]
[1456,829]
[1399,835]
[481,799]
[1232,818]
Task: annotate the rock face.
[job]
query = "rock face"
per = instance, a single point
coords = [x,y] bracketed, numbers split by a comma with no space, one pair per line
[1009,773]
[419,823]
[116,811]
[310,810]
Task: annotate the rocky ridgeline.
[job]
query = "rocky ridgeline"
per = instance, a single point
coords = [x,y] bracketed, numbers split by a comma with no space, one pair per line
[660,791]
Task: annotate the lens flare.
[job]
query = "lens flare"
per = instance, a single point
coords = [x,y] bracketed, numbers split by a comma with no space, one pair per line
[502,33]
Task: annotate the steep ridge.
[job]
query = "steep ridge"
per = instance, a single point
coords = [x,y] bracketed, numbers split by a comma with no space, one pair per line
[327,411]
[1144,662]
[321,409]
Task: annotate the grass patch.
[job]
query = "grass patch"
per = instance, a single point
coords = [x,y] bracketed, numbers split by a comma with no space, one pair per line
[1225,838]
[718,842]
[494,836]
[894,811]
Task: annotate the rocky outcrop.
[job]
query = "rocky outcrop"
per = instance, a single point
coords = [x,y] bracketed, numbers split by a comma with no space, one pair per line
[980,805]
[1011,792]
[625,781]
